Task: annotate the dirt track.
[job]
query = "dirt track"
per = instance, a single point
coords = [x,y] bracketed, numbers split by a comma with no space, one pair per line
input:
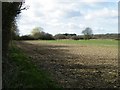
[75,65]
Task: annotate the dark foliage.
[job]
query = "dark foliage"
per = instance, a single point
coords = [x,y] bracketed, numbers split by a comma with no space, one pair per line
[26,37]
[43,36]
[64,36]
[67,34]
[76,37]
[107,36]
[9,12]
[60,36]
[46,36]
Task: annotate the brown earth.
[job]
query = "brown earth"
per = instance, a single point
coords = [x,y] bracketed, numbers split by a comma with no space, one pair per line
[75,66]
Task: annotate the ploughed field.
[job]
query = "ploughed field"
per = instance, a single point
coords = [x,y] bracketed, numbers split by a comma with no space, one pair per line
[76,64]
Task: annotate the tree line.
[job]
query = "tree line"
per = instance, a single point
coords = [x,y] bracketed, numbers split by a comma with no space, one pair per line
[38,33]
[10,10]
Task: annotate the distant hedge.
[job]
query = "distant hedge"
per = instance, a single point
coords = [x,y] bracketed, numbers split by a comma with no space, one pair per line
[106,36]
[47,36]
[60,36]
[26,37]
[76,37]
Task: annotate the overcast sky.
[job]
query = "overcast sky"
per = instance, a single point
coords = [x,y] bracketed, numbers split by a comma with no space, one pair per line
[70,16]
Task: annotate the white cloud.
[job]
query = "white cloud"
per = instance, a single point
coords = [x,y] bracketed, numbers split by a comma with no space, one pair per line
[102,13]
[60,16]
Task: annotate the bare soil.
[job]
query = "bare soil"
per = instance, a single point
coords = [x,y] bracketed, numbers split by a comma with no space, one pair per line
[75,66]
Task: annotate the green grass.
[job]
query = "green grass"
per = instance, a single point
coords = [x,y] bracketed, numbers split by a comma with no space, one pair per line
[101,42]
[21,73]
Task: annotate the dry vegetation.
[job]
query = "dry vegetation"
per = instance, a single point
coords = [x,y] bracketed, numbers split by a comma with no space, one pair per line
[75,65]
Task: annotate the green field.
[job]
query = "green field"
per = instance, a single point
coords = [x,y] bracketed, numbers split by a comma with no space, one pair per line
[104,42]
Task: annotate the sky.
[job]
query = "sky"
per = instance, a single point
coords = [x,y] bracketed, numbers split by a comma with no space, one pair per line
[69,16]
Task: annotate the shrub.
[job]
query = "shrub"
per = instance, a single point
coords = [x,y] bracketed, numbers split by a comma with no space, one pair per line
[117,38]
[26,37]
[75,38]
[60,36]
[46,36]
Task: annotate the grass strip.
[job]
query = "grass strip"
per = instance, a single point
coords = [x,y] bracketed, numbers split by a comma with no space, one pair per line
[21,73]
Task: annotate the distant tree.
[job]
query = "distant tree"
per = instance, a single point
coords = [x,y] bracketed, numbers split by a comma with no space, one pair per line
[36,32]
[46,36]
[87,33]
[49,36]
[42,35]
[26,37]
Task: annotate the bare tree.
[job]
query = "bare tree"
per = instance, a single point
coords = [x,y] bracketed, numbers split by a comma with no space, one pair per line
[87,33]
